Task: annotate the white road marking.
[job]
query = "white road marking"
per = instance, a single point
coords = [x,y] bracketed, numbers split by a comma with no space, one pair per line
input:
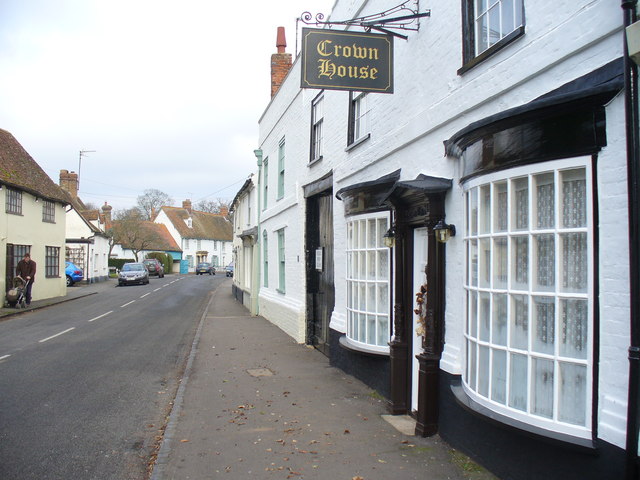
[100,316]
[165,285]
[4,356]
[157,289]
[122,306]
[57,334]
[145,295]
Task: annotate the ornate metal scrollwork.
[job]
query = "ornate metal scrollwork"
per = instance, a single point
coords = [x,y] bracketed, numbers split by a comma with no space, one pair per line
[400,17]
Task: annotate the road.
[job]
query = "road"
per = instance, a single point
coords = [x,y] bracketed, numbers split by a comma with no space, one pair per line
[86,385]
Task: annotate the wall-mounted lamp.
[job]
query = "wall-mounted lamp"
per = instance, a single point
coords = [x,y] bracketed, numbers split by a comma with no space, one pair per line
[389,238]
[444,231]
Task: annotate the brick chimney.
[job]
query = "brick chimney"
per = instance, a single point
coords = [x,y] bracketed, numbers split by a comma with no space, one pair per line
[69,182]
[280,62]
[106,211]
[186,204]
[224,211]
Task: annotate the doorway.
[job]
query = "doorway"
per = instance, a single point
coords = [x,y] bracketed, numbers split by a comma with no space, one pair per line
[319,267]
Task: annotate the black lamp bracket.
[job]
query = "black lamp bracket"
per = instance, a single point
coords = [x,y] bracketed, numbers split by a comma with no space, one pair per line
[401,17]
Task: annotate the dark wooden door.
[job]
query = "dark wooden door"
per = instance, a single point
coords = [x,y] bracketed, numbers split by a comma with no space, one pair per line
[320,286]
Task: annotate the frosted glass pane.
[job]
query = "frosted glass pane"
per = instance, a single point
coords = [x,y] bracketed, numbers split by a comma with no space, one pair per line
[521,204]
[383,298]
[350,230]
[383,264]
[574,199]
[362,261]
[371,265]
[520,322]
[572,406]
[362,295]
[499,376]
[485,209]
[363,327]
[500,207]
[485,263]
[362,234]
[545,201]
[473,257]
[471,355]
[349,264]
[473,314]
[574,262]
[483,372]
[543,324]
[355,326]
[371,297]
[518,382]
[500,263]
[371,329]
[499,319]
[382,229]
[520,263]
[542,400]
[574,332]
[485,316]
[473,214]
[383,330]
[545,262]
[371,233]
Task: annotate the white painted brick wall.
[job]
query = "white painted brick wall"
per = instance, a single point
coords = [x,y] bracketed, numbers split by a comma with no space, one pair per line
[564,40]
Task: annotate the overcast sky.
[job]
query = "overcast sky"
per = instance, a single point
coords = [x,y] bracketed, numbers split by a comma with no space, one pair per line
[167,93]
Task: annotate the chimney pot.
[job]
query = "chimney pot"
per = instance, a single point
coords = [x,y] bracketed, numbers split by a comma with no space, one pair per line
[281,40]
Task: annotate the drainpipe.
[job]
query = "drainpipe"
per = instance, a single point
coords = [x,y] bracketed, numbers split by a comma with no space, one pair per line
[257,265]
[633,179]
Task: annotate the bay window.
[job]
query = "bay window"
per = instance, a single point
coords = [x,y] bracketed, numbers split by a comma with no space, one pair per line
[528,282]
[368,278]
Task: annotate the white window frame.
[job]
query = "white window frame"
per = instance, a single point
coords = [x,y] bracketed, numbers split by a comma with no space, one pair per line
[493,16]
[370,282]
[474,285]
[317,127]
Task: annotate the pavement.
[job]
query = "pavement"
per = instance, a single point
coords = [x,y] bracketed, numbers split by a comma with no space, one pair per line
[253,402]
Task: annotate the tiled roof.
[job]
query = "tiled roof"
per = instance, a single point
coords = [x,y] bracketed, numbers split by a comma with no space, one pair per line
[205,226]
[161,238]
[18,170]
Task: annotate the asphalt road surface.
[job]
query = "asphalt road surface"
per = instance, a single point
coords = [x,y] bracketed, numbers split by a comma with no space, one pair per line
[86,385]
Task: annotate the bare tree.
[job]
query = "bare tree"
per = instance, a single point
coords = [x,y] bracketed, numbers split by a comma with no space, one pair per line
[131,231]
[213,206]
[151,201]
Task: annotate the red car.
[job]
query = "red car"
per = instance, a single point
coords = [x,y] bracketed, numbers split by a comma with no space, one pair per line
[154,266]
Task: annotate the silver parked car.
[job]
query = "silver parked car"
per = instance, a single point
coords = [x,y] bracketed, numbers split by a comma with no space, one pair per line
[133,273]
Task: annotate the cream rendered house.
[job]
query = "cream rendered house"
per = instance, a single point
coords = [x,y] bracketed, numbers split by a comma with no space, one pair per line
[32,219]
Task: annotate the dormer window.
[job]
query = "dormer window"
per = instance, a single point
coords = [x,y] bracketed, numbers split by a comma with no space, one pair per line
[189,222]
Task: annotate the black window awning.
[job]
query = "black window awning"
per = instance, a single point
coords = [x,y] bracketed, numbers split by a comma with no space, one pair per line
[596,88]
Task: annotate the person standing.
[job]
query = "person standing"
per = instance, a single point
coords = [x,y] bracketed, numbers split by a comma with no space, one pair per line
[27,270]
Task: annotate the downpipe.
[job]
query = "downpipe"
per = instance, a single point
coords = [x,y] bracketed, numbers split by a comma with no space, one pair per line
[633,184]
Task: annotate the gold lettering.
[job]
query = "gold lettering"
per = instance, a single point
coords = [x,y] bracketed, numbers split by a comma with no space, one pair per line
[359,52]
[322,48]
[342,71]
[373,73]
[326,68]
[364,72]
